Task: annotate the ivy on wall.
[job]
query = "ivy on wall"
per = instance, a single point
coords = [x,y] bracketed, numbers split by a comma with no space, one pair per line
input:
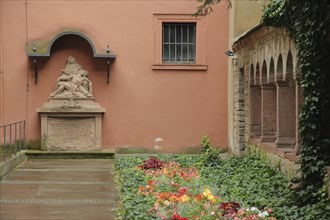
[308,24]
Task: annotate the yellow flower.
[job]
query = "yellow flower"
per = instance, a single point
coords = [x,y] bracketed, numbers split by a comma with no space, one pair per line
[185,198]
[165,171]
[207,192]
[210,197]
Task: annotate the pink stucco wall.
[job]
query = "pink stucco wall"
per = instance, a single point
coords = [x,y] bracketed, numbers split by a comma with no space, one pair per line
[141,103]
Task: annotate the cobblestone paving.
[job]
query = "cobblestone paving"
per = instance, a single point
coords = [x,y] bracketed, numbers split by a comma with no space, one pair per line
[59,189]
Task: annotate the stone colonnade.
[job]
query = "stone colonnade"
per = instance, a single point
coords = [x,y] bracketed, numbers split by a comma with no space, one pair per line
[267,94]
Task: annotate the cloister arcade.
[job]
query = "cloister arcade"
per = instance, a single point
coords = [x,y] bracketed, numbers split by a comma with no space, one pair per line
[267,94]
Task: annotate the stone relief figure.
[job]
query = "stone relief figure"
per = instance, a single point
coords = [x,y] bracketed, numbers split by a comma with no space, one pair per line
[73,81]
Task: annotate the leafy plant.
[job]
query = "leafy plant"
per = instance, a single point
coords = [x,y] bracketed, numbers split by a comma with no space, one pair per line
[308,23]
[210,155]
[128,178]
[206,144]
[151,163]
[247,181]
[206,6]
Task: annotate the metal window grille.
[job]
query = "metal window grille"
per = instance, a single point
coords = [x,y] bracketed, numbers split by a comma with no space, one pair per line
[179,43]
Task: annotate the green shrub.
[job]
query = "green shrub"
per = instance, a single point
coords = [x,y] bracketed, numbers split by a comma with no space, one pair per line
[210,155]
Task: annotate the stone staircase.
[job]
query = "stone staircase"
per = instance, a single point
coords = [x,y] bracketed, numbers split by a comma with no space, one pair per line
[59,188]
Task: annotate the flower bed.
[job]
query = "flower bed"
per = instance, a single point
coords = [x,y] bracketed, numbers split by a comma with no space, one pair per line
[179,195]
[180,187]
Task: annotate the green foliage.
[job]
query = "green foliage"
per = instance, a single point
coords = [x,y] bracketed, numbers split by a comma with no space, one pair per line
[247,180]
[129,178]
[206,6]
[210,155]
[308,23]
[206,143]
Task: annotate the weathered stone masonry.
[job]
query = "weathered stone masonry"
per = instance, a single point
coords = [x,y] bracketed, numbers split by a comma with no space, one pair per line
[267,94]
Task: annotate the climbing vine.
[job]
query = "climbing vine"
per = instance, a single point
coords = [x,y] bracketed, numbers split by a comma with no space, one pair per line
[308,24]
[206,6]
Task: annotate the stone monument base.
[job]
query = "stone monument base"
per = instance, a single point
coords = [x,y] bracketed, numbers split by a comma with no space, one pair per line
[71,125]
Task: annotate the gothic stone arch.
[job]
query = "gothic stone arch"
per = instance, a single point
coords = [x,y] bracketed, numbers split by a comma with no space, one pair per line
[273,94]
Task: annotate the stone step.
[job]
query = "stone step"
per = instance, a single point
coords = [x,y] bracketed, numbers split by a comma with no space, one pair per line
[60,189]
[37,154]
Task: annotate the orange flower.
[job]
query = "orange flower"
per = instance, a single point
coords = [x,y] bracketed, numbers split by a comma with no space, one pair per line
[150,182]
[163,195]
[198,197]
[173,198]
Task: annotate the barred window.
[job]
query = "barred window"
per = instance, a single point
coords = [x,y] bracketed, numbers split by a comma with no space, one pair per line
[179,43]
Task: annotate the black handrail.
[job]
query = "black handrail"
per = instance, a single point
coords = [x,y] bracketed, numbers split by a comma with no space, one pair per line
[11,146]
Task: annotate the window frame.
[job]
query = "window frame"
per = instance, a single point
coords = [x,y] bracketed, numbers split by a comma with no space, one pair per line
[182,45]
[200,42]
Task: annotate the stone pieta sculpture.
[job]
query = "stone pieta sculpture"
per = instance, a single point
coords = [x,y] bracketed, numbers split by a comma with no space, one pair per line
[70,119]
[73,82]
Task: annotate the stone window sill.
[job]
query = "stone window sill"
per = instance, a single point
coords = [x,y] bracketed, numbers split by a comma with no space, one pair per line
[193,67]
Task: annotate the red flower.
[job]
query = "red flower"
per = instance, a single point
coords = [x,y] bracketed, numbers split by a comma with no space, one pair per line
[199,197]
[141,188]
[152,163]
[176,216]
[229,208]
[182,191]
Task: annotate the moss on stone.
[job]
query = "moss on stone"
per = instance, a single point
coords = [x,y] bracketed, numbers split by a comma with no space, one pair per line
[41,45]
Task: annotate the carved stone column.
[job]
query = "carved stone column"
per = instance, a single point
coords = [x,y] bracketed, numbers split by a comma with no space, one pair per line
[255,111]
[286,114]
[268,102]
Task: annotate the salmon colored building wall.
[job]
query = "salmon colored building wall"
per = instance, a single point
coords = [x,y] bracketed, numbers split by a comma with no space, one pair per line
[145,99]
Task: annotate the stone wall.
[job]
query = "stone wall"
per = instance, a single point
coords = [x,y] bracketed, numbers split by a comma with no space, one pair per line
[267,94]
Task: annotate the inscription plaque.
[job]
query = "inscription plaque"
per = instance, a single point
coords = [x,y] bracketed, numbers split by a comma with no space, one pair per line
[71,134]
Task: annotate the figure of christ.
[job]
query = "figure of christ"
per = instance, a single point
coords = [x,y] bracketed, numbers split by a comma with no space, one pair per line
[75,83]
[74,80]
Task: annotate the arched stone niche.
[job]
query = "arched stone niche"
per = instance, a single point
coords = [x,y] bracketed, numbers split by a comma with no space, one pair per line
[43,47]
[70,120]
[38,49]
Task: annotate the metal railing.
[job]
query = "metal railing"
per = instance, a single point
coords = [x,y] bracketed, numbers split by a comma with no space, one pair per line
[13,138]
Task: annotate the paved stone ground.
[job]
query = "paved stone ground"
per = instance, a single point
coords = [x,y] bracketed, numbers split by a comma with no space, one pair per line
[75,189]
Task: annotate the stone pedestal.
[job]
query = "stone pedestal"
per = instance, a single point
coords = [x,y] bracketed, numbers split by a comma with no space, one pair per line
[73,124]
